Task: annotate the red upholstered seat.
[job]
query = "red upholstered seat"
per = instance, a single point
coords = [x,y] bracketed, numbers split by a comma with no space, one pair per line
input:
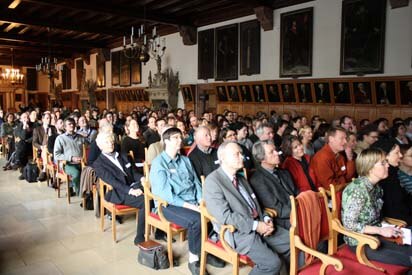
[346,253]
[349,267]
[175,226]
[242,257]
[121,206]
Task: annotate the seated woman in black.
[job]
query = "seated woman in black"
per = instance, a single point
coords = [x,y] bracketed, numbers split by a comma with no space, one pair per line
[131,142]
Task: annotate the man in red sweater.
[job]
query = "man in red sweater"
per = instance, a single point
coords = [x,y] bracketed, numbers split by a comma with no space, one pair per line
[334,163]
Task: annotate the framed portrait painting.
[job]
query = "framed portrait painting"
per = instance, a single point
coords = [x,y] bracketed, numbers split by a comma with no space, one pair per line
[288,93]
[272,91]
[296,43]
[115,68]
[258,93]
[221,93]
[406,92]
[245,93]
[385,92]
[341,92]
[205,58]
[362,92]
[250,47]
[304,93]
[322,92]
[233,93]
[362,36]
[226,49]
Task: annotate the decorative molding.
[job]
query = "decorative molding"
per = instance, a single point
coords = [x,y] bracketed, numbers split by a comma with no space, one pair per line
[188,34]
[265,16]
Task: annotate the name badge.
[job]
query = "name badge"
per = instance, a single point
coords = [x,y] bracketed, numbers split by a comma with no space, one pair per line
[343,168]
[253,196]
[173,171]
[128,165]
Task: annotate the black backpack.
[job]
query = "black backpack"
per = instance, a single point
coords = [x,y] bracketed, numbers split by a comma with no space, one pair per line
[31,172]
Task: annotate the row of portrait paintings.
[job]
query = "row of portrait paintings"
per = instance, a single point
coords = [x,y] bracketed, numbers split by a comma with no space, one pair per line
[131,95]
[359,92]
[361,51]
[125,71]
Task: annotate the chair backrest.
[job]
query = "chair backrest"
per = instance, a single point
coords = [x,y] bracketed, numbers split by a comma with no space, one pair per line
[336,197]
[148,196]
[309,217]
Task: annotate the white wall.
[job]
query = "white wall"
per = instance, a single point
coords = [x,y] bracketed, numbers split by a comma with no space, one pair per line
[326,46]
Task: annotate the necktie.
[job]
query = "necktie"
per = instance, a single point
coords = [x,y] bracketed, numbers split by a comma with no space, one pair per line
[246,196]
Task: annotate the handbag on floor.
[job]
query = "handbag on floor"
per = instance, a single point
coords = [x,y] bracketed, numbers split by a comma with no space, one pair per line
[31,172]
[153,255]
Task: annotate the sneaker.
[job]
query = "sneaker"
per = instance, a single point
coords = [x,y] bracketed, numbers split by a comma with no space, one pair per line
[195,268]
[215,261]
[21,177]
[42,176]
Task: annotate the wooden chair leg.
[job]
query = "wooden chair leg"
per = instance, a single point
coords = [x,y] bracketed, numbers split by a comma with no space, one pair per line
[114,226]
[58,187]
[101,216]
[169,247]
[68,190]
[203,262]
[235,270]
[182,236]
[146,231]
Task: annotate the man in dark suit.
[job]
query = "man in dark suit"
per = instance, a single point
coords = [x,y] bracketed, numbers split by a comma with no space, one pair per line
[230,199]
[40,138]
[117,171]
[273,186]
[24,137]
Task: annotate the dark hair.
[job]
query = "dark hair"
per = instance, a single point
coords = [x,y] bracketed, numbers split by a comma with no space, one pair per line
[379,120]
[222,134]
[407,121]
[397,120]
[286,146]
[170,132]
[367,130]
[333,130]
[363,122]
[395,129]
[404,148]
[342,119]
[289,130]
[69,119]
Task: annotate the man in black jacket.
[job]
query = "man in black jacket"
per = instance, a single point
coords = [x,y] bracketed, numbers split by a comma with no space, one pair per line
[24,137]
[117,171]
[272,186]
[203,157]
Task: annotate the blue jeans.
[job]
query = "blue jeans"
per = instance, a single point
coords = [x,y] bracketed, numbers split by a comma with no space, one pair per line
[188,219]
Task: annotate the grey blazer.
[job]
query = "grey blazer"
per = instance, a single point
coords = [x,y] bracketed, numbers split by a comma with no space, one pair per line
[228,206]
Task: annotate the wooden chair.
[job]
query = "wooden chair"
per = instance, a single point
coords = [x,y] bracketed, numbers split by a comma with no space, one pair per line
[221,249]
[4,147]
[62,177]
[51,169]
[114,209]
[336,197]
[336,257]
[158,220]
[38,160]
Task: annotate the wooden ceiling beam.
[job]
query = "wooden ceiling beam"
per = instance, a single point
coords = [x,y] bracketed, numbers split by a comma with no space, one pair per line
[54,41]
[11,16]
[102,7]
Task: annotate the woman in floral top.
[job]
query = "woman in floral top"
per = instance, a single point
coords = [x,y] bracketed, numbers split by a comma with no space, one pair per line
[361,209]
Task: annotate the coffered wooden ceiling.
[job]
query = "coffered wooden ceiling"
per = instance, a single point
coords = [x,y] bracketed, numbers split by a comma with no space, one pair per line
[70,28]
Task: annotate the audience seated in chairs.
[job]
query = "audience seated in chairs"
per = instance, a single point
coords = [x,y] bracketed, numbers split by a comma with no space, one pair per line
[174,180]
[69,148]
[230,199]
[40,140]
[85,131]
[272,185]
[362,209]
[405,167]
[117,171]
[132,142]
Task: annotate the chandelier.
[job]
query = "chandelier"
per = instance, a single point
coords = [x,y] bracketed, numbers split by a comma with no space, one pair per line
[142,46]
[13,76]
[48,65]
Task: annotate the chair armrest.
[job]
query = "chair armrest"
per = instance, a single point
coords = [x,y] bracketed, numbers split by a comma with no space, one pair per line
[272,212]
[363,240]
[394,221]
[223,229]
[326,259]
[160,204]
